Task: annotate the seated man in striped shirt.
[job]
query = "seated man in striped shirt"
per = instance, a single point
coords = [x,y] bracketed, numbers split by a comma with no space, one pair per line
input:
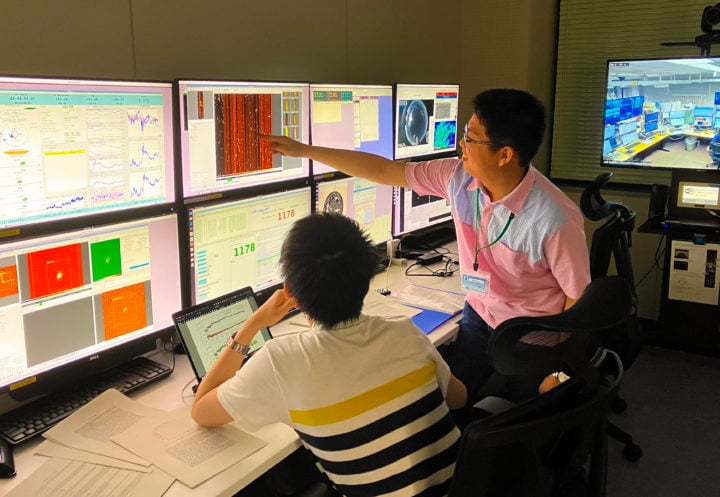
[369,396]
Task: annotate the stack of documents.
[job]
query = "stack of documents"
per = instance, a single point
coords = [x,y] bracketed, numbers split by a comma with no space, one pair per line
[116,447]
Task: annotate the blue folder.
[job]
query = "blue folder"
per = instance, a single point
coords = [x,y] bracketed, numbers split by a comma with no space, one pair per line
[429,319]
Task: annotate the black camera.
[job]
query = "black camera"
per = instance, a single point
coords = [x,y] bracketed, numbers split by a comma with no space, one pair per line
[710,17]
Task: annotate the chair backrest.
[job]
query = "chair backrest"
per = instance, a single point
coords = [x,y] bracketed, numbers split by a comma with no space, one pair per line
[715,151]
[538,448]
[534,447]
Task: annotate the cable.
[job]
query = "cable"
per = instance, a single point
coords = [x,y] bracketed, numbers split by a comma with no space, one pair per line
[658,252]
[448,270]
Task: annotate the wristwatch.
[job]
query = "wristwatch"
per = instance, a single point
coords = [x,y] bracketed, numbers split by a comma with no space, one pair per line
[233,345]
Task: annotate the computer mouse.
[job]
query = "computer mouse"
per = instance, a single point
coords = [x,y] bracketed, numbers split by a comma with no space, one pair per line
[7,464]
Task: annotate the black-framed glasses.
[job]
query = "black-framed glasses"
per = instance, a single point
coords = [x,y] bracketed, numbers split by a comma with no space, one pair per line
[468,140]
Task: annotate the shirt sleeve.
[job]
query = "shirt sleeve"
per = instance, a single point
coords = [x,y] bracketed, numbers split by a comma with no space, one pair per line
[442,370]
[567,256]
[251,396]
[431,177]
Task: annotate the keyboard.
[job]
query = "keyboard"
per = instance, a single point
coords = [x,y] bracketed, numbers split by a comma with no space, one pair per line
[31,420]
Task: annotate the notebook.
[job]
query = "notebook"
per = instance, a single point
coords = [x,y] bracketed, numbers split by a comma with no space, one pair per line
[204,328]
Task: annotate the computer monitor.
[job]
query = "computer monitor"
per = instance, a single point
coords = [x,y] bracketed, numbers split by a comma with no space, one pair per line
[368,203]
[412,212]
[220,124]
[73,147]
[351,117]
[74,304]
[684,89]
[677,118]
[236,243]
[703,116]
[425,120]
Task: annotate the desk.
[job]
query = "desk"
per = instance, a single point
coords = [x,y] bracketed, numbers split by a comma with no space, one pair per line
[168,394]
[174,391]
[684,325]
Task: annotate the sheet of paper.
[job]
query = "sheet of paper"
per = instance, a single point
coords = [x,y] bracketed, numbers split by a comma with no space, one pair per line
[51,449]
[693,272]
[62,477]
[379,305]
[176,444]
[430,298]
[91,427]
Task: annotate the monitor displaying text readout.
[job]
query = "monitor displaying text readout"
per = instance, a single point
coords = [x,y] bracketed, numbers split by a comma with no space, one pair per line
[220,127]
[351,117]
[426,120]
[71,147]
[368,203]
[236,243]
[84,296]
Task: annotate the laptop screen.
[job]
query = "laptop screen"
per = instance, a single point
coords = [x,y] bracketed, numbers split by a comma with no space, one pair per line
[205,328]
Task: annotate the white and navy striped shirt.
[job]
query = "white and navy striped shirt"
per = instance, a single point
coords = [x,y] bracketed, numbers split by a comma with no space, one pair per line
[367,398]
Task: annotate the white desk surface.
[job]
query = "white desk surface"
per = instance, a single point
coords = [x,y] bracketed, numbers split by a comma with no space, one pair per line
[173,392]
[168,394]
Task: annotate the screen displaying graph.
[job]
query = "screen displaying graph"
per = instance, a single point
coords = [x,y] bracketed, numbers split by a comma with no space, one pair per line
[77,147]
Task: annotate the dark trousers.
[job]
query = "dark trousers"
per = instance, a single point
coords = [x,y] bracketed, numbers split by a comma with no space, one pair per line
[469,361]
[467,356]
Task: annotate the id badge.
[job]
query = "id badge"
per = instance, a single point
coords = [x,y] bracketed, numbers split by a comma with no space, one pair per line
[479,283]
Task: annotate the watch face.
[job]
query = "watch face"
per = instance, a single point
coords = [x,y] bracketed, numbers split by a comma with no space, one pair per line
[334,203]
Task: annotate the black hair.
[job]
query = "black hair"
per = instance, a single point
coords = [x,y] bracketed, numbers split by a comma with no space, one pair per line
[327,262]
[512,117]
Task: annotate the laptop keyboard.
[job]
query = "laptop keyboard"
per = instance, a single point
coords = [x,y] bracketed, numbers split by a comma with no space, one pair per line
[31,420]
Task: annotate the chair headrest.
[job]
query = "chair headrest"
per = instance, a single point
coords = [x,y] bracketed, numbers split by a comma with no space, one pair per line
[595,207]
[536,345]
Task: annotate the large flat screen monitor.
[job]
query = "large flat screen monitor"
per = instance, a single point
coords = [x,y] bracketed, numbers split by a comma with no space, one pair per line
[661,113]
[73,302]
[75,147]
[368,203]
[413,212]
[220,124]
[351,117]
[425,120]
[236,243]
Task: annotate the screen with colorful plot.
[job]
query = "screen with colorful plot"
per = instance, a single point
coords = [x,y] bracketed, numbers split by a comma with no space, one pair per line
[220,127]
[76,147]
[425,120]
[72,296]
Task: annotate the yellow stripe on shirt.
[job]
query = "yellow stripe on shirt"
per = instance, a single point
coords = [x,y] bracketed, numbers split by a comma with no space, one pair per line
[364,402]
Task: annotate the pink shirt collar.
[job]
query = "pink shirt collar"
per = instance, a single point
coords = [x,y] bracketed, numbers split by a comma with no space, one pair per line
[516,198]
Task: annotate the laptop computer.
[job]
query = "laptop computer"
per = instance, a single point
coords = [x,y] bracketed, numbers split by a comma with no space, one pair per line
[204,328]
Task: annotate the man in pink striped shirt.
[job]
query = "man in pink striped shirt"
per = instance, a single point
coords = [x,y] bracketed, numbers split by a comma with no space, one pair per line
[521,240]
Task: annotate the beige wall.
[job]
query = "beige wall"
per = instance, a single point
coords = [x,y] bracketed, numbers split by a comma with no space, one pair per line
[479,43]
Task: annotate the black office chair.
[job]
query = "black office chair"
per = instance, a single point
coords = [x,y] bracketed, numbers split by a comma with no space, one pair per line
[554,444]
[714,154]
[613,239]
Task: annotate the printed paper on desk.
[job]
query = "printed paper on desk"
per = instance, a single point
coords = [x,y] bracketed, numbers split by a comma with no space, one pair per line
[380,305]
[51,449]
[72,478]
[431,298]
[176,444]
[91,427]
